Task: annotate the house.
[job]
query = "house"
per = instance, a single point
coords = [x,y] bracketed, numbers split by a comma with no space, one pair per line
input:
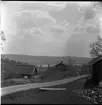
[29,71]
[96,70]
[61,65]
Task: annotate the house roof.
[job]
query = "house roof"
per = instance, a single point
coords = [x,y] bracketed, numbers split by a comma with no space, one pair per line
[95,60]
[22,69]
[60,64]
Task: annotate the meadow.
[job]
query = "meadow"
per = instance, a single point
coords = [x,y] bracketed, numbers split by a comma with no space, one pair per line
[13,72]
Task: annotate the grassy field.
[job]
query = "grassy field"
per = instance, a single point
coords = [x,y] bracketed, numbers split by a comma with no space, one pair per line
[11,82]
[48,74]
[37,96]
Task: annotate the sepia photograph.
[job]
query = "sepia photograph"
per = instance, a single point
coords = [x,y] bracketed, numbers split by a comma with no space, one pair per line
[51,52]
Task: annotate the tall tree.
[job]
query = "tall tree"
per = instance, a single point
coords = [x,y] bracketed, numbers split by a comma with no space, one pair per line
[96,48]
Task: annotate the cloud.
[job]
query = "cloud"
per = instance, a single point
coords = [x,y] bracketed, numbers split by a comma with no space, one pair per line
[90,20]
[84,4]
[33,5]
[88,10]
[45,17]
[57,29]
[92,29]
[64,24]
[55,6]
[27,19]
[89,14]
[49,6]
[79,28]
[27,33]
[35,31]
[69,13]
[23,19]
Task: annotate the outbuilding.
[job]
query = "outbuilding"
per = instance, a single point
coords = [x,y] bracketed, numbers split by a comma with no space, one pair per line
[96,68]
[96,71]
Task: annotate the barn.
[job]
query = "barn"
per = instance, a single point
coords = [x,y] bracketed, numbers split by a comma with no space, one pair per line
[96,69]
[17,70]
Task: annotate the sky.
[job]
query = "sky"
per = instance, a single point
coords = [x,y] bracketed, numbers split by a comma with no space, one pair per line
[50,28]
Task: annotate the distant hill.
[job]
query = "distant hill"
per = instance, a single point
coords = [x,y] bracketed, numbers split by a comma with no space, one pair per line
[36,60]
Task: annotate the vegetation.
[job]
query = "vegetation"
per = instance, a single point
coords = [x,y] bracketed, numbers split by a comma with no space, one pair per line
[10,68]
[3,39]
[96,48]
[94,95]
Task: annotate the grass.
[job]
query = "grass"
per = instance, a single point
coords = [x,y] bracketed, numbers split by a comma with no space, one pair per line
[48,74]
[37,96]
[11,82]
[51,74]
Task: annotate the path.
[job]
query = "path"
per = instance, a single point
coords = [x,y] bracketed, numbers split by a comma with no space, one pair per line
[17,88]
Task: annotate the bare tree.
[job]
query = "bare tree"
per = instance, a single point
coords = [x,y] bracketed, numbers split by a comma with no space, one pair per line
[96,48]
[3,38]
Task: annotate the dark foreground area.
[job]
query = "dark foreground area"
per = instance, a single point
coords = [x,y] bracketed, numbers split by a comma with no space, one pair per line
[37,96]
